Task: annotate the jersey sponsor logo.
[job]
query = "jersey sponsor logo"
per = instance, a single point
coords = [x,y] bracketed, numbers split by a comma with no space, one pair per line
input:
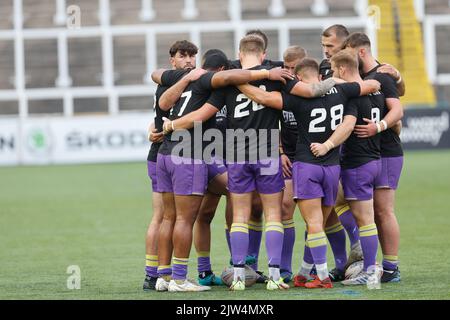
[289,118]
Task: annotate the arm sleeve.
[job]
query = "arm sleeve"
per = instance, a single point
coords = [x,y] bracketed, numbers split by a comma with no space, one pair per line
[218,98]
[170,77]
[289,85]
[351,108]
[350,90]
[205,81]
[388,86]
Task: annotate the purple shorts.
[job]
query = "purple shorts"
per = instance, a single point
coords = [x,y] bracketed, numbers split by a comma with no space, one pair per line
[358,183]
[391,168]
[181,176]
[151,168]
[215,169]
[312,181]
[265,177]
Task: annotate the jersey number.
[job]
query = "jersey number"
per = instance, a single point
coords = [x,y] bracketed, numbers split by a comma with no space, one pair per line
[336,118]
[239,111]
[187,95]
[376,115]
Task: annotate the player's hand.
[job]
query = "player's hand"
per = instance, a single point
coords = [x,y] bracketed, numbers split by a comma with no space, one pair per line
[318,149]
[155,137]
[366,130]
[390,70]
[167,126]
[374,84]
[286,165]
[280,74]
[194,74]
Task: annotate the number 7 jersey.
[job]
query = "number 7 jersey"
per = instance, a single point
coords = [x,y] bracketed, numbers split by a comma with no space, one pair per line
[318,118]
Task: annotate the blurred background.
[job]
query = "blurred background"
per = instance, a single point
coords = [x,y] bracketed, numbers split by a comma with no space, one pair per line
[74,74]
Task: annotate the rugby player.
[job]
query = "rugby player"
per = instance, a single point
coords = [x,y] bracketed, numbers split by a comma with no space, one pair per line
[182,56]
[391,155]
[288,134]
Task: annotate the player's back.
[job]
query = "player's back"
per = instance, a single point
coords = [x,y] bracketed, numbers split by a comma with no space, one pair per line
[318,118]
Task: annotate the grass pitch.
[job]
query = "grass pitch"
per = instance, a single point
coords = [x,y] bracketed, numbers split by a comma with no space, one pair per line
[95,216]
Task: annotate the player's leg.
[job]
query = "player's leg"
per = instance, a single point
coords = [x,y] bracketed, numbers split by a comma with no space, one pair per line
[151,242]
[384,202]
[151,238]
[287,219]
[270,186]
[347,220]
[311,210]
[336,237]
[358,184]
[165,244]
[389,233]
[241,184]
[255,229]
[202,227]
[189,179]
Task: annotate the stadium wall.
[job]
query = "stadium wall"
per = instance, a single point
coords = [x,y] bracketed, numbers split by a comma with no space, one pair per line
[91,139]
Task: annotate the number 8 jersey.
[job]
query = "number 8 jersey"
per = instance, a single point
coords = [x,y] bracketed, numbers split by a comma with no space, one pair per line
[318,118]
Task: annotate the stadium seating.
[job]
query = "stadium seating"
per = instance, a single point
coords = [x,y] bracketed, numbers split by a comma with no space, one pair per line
[85,64]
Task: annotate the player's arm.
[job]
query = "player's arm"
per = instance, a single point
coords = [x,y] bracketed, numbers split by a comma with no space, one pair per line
[394,115]
[236,77]
[312,90]
[397,128]
[187,121]
[342,132]
[396,75]
[153,134]
[270,99]
[171,95]
[369,86]
[157,75]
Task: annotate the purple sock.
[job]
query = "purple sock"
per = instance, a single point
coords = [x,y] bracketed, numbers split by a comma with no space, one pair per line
[151,265]
[307,256]
[368,236]
[318,244]
[239,242]
[164,271]
[179,268]
[203,262]
[336,238]
[390,262]
[274,242]
[349,223]
[254,236]
[288,245]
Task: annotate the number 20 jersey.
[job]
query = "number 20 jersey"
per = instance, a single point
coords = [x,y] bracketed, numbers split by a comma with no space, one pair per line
[318,118]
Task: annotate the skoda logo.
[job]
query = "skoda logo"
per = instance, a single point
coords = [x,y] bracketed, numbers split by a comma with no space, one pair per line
[39,141]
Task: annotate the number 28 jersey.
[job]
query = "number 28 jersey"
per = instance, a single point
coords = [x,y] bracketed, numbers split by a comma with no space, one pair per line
[318,118]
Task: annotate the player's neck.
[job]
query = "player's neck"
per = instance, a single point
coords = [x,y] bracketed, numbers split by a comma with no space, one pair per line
[369,64]
[248,62]
[355,77]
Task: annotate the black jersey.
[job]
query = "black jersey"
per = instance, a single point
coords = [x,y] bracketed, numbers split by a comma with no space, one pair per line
[159,114]
[391,145]
[269,64]
[192,98]
[289,133]
[318,118]
[221,120]
[254,119]
[325,69]
[359,151]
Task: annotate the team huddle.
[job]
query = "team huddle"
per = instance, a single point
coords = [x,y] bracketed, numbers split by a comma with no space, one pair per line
[270,136]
